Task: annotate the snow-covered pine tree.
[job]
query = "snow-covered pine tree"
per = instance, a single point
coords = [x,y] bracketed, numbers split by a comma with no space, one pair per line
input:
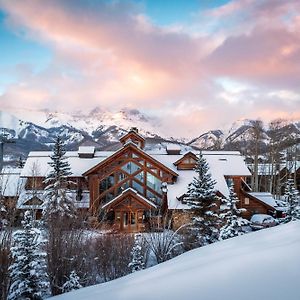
[57,202]
[137,258]
[232,216]
[28,271]
[201,197]
[72,283]
[292,199]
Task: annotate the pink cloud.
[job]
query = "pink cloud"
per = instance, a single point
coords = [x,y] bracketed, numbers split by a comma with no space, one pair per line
[111,54]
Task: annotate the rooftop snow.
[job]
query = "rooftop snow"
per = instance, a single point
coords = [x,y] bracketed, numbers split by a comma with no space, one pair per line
[173,147]
[38,163]
[269,200]
[125,191]
[86,150]
[221,163]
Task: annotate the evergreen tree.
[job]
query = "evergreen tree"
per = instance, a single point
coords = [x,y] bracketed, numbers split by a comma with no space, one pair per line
[233,221]
[72,283]
[28,271]
[137,258]
[201,197]
[292,198]
[57,201]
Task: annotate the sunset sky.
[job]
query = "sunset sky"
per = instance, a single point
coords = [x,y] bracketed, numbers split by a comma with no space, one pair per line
[197,64]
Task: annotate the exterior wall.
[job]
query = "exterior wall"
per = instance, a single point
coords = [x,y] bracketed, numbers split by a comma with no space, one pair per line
[254,206]
[138,179]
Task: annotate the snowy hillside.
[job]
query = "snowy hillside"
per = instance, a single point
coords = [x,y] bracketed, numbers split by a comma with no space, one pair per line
[261,265]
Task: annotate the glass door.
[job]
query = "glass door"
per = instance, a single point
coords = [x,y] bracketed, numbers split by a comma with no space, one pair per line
[129,220]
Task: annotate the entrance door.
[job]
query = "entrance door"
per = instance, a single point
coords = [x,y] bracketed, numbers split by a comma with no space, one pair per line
[129,221]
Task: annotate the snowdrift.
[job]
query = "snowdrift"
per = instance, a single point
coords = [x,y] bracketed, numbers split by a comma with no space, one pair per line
[261,265]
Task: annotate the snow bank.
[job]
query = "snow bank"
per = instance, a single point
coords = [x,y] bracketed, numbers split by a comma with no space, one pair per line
[261,265]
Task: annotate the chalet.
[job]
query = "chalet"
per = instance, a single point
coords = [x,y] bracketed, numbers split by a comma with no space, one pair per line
[131,188]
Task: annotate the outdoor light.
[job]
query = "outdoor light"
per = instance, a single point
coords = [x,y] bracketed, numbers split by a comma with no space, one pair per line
[164,187]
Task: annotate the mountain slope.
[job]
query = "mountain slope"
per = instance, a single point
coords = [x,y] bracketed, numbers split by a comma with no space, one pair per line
[259,265]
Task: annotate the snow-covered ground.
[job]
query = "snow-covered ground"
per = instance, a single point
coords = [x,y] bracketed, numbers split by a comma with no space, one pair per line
[263,265]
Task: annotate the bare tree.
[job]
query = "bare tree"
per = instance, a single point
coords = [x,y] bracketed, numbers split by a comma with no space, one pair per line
[5,261]
[256,136]
[113,255]
[67,249]
[166,243]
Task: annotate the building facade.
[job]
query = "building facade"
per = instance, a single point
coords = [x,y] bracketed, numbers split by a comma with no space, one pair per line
[131,189]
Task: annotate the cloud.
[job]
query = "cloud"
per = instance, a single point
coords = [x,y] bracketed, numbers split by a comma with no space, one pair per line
[111,54]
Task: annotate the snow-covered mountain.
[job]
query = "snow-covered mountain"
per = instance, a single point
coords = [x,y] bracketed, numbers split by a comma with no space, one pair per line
[240,132]
[36,130]
[98,119]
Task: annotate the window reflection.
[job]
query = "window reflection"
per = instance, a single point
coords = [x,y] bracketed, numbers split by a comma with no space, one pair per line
[154,183]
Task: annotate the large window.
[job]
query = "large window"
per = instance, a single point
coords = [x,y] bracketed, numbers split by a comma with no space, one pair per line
[106,183]
[154,183]
[153,198]
[132,175]
[138,187]
[130,167]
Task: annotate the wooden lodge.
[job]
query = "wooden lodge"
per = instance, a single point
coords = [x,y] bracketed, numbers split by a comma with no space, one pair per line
[131,189]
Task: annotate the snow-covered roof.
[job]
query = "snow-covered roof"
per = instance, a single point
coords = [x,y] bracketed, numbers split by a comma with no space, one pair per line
[126,191]
[10,182]
[221,164]
[37,163]
[268,199]
[27,195]
[86,150]
[175,147]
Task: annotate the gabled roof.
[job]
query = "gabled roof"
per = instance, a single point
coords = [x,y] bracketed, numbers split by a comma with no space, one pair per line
[132,133]
[124,149]
[268,200]
[188,154]
[130,192]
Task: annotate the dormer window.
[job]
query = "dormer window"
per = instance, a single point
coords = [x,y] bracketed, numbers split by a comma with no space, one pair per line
[133,137]
[186,162]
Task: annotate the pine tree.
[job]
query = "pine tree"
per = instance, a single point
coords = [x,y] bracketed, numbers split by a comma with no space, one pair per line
[292,198]
[137,259]
[201,197]
[72,283]
[57,201]
[28,271]
[233,221]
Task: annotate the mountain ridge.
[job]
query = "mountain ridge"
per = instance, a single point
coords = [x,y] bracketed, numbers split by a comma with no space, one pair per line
[102,128]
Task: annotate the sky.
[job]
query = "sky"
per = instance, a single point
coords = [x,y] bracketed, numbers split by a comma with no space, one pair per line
[195,65]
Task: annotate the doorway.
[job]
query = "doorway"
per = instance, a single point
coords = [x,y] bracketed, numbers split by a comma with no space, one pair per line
[129,221]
